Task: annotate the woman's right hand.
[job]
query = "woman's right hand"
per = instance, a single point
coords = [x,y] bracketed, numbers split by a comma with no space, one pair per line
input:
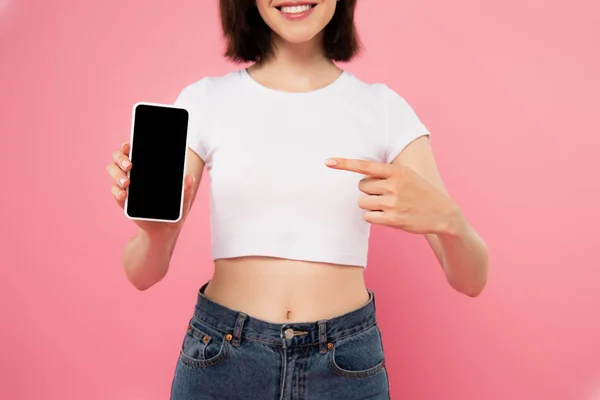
[118,169]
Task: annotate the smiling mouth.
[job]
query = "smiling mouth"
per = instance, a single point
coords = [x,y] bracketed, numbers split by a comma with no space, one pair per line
[295,9]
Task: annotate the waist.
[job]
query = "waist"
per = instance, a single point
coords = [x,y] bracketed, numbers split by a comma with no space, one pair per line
[283,290]
[322,241]
[243,325]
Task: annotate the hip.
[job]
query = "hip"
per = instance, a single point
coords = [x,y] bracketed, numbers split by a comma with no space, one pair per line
[228,354]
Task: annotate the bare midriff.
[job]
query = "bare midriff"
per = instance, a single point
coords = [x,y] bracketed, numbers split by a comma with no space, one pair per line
[283,291]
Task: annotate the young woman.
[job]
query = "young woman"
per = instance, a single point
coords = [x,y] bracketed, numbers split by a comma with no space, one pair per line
[303,158]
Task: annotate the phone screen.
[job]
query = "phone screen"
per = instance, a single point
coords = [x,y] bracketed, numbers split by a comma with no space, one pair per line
[158,154]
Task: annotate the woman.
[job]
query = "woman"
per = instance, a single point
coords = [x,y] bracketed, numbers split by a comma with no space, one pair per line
[303,158]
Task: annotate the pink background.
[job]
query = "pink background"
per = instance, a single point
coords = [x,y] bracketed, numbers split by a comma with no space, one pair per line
[509,90]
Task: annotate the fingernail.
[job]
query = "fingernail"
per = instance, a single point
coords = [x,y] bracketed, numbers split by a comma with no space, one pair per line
[122,181]
[330,162]
[126,164]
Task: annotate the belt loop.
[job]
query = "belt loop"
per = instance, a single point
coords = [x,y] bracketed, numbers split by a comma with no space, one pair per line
[237,332]
[322,337]
[372,299]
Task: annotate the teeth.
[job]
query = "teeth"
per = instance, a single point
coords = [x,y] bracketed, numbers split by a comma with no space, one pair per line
[296,9]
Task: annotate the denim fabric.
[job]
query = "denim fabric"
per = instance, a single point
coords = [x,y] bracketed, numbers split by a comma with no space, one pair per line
[230,355]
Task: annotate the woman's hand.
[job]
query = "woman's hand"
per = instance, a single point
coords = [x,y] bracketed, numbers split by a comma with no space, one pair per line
[118,169]
[398,197]
[415,200]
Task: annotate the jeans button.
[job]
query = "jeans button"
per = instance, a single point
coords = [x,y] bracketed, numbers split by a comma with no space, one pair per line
[289,333]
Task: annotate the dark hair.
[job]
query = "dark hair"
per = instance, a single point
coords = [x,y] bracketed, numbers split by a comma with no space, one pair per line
[249,37]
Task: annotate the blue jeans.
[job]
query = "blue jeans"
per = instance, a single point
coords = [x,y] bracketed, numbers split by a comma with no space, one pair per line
[228,355]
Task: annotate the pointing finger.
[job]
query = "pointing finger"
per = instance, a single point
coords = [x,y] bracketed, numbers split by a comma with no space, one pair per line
[370,168]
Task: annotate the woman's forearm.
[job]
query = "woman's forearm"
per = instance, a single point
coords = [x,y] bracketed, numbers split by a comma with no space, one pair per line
[464,257]
[147,256]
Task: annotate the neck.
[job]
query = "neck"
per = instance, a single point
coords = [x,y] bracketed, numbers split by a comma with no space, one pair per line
[296,67]
[297,58]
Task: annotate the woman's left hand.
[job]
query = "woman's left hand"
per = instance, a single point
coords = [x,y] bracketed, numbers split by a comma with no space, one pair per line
[398,197]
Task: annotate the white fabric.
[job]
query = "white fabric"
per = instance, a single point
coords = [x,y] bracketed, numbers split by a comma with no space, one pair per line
[271,193]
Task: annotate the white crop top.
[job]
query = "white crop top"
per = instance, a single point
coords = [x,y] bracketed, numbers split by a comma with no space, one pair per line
[270,192]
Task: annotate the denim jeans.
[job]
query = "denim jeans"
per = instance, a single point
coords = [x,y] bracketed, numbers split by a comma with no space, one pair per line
[228,355]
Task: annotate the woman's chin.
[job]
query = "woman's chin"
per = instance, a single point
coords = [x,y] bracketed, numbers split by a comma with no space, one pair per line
[298,38]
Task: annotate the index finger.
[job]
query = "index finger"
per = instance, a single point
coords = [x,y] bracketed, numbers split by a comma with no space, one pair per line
[370,168]
[125,147]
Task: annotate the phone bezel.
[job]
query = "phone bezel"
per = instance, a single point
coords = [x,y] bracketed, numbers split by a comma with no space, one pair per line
[125,210]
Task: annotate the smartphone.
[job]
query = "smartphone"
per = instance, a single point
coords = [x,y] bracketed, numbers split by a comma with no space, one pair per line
[158,154]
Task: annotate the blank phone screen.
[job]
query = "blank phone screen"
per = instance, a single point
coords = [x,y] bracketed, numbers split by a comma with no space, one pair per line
[158,149]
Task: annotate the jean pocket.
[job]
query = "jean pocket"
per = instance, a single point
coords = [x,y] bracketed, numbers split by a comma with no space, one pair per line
[203,346]
[358,356]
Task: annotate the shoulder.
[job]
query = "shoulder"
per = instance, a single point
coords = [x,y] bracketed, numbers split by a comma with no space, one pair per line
[387,97]
[208,87]
[378,93]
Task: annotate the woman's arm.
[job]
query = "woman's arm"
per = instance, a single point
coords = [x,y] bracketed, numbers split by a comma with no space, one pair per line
[461,252]
[147,255]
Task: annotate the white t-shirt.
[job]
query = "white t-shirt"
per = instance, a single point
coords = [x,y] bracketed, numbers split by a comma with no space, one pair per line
[270,192]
